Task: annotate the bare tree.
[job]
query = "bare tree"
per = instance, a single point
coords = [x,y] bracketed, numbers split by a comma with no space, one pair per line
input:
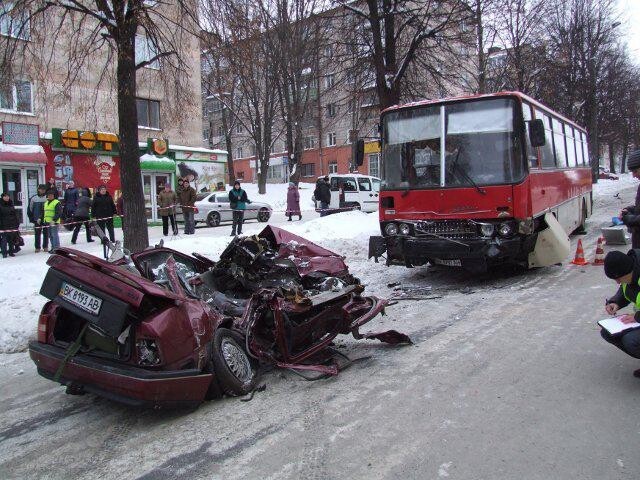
[101,34]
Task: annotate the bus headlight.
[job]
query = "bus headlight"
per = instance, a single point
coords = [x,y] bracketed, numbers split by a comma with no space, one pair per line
[405,229]
[505,229]
[486,229]
[391,229]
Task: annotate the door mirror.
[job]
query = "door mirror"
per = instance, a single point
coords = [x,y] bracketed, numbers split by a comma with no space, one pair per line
[536,133]
[358,155]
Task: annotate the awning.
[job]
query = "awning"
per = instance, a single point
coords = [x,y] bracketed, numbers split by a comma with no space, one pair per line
[153,163]
[31,154]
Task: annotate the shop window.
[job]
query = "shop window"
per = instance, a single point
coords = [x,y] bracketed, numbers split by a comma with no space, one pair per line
[374,165]
[331,139]
[148,113]
[17,97]
[333,167]
[146,51]
[308,169]
[14,22]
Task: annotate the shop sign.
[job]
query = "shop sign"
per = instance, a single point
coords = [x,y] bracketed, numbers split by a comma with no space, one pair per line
[20,133]
[372,147]
[196,156]
[157,146]
[85,141]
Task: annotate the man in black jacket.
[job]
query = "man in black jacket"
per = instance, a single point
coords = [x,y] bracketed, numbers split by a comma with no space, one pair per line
[322,193]
[630,215]
[625,270]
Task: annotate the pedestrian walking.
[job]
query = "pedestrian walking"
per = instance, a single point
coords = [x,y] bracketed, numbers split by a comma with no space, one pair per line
[103,210]
[630,215]
[51,217]
[81,216]
[238,201]
[35,212]
[322,193]
[167,200]
[293,201]
[8,222]
[187,197]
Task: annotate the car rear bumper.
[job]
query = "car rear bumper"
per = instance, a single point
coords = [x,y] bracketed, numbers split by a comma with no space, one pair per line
[130,385]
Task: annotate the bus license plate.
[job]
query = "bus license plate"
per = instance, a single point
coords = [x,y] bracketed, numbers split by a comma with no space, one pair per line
[449,263]
[80,298]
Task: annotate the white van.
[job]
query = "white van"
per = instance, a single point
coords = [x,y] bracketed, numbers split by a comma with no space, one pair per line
[352,190]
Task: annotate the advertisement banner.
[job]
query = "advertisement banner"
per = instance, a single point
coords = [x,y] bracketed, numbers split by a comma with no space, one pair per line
[204,176]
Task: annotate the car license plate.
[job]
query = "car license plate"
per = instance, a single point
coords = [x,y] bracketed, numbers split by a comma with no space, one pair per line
[80,298]
[449,263]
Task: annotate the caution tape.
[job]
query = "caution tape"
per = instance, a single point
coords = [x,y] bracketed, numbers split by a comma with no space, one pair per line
[63,224]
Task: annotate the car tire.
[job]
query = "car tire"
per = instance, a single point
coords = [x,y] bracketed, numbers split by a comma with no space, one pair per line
[235,370]
[213,219]
[264,215]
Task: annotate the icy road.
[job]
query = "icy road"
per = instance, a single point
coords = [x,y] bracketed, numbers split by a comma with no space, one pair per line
[508,379]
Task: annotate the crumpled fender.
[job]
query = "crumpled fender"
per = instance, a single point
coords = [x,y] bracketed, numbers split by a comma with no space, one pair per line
[375,306]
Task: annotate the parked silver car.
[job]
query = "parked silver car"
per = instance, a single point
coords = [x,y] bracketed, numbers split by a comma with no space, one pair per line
[214,207]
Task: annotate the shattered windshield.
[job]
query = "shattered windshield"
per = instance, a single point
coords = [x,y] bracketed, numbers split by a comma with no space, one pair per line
[480,147]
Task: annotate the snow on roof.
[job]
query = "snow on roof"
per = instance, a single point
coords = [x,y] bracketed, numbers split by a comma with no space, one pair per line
[11,148]
[152,158]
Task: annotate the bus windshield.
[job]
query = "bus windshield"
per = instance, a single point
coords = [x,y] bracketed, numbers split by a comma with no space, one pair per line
[481,145]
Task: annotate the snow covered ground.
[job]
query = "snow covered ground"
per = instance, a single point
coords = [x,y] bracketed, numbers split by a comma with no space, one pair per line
[345,233]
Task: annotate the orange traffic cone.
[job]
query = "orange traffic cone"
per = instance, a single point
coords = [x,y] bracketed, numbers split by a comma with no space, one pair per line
[579,258]
[599,260]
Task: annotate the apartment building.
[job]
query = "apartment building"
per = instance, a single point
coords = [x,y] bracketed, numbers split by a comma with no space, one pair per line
[59,112]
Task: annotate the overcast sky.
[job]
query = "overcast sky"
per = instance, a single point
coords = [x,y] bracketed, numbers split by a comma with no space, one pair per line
[630,14]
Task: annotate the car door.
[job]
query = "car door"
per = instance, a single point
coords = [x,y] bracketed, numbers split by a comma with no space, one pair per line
[222,206]
[368,196]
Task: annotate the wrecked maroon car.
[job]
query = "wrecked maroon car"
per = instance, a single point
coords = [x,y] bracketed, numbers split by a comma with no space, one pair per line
[161,328]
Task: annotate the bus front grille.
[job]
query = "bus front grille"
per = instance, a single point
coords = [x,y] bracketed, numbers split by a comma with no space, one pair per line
[456,229]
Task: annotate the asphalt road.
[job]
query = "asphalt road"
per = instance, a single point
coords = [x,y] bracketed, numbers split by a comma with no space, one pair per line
[508,379]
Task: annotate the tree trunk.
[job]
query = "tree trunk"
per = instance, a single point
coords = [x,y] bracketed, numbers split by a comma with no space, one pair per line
[482,62]
[625,151]
[134,223]
[612,157]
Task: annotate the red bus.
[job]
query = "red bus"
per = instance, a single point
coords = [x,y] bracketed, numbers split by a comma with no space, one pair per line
[480,180]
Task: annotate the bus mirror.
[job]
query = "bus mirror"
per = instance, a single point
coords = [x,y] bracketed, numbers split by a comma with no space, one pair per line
[536,133]
[359,152]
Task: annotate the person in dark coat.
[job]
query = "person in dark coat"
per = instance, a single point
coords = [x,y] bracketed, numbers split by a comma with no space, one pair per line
[322,193]
[8,221]
[81,216]
[70,200]
[103,210]
[51,186]
[187,197]
[625,270]
[238,202]
[35,212]
[293,201]
[630,215]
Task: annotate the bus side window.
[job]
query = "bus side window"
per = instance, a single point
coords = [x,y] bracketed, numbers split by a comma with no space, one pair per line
[548,159]
[558,143]
[571,146]
[585,149]
[532,152]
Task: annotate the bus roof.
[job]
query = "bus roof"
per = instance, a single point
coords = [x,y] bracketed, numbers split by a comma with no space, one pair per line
[479,96]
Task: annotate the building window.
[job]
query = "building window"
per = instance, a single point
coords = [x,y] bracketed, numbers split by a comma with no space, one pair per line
[145,51]
[13,22]
[331,110]
[240,175]
[238,128]
[148,113]
[220,131]
[328,51]
[216,105]
[205,134]
[374,165]
[333,167]
[252,150]
[17,97]
[309,142]
[331,139]
[329,81]
[239,152]
[308,169]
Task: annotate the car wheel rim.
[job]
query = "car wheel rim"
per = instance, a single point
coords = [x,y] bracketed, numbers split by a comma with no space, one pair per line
[236,360]
[214,221]
[264,216]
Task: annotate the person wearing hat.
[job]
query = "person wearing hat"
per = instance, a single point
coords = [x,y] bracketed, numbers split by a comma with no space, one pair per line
[35,212]
[322,193]
[70,200]
[238,201]
[625,270]
[51,216]
[187,196]
[630,215]
[8,226]
[103,209]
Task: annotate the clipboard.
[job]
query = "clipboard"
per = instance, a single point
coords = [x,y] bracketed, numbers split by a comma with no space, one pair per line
[614,325]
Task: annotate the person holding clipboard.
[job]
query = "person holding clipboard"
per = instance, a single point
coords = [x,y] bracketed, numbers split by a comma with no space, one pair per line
[625,334]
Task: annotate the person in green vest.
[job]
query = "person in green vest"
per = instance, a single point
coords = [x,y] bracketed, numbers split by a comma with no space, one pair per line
[238,201]
[51,215]
[625,270]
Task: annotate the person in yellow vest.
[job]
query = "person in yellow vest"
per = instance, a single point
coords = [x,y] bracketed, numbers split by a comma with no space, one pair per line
[625,270]
[51,215]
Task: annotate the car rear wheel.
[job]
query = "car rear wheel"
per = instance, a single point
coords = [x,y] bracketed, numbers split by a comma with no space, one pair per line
[235,370]
[263,215]
[213,219]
